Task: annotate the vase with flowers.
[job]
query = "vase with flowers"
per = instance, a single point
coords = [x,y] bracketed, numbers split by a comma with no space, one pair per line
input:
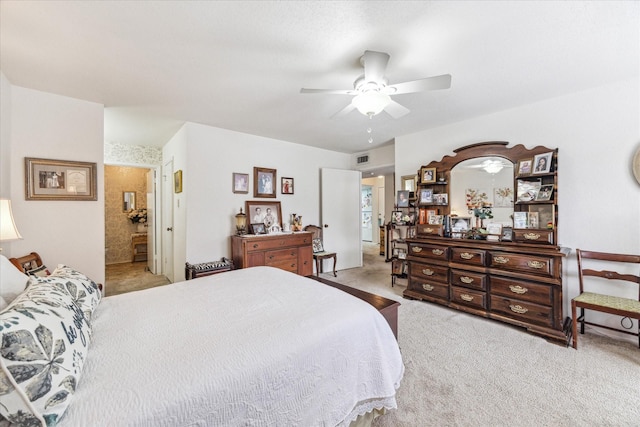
[139,217]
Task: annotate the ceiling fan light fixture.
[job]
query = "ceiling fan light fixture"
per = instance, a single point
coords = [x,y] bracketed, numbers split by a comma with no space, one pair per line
[492,166]
[371,102]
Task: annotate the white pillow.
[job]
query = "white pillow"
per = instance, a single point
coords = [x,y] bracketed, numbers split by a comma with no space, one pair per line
[12,280]
[3,303]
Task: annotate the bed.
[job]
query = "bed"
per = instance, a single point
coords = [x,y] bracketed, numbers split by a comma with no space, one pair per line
[250,347]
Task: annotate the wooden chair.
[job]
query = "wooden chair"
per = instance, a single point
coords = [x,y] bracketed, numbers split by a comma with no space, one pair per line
[27,262]
[319,253]
[626,307]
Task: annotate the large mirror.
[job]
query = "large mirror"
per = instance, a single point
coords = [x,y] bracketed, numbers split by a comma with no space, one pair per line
[483,183]
[129,200]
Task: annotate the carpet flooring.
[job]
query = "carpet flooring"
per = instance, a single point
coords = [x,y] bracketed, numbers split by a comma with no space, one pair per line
[463,370]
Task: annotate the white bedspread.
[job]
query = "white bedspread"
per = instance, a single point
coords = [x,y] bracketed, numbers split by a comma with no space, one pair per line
[251,347]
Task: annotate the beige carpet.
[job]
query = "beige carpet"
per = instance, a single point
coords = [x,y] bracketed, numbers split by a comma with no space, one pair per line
[462,370]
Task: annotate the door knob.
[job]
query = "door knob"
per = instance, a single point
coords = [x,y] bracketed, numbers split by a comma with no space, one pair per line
[169,228]
[326,226]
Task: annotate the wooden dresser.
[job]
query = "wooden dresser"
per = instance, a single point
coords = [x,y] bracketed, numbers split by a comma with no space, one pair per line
[288,251]
[506,282]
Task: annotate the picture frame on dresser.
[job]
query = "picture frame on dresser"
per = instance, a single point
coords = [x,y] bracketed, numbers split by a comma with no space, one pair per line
[427,175]
[542,163]
[258,228]
[524,167]
[264,212]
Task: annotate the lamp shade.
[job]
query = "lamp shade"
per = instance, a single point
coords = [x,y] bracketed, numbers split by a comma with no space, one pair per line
[371,102]
[8,229]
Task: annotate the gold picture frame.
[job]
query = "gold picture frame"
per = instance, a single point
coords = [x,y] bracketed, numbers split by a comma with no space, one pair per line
[427,175]
[177,181]
[48,179]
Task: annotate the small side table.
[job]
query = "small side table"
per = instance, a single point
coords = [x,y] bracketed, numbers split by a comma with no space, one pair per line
[138,247]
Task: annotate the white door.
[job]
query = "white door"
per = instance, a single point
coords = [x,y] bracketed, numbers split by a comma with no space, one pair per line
[367,212]
[167,220]
[152,222]
[340,216]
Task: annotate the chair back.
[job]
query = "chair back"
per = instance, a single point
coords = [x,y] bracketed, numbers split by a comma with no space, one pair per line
[317,231]
[610,260]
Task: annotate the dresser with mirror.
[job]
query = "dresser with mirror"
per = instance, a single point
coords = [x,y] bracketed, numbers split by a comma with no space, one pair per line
[487,236]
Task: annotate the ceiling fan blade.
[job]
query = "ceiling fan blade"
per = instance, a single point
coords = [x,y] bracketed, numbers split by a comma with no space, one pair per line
[346,110]
[330,91]
[430,83]
[396,110]
[375,64]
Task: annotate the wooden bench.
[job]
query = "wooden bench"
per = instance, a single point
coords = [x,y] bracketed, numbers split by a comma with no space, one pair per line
[625,307]
[387,307]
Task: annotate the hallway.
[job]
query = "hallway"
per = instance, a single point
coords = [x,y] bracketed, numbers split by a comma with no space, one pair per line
[130,276]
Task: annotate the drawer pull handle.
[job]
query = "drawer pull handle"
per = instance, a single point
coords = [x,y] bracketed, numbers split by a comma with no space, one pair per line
[531,236]
[427,272]
[416,249]
[518,309]
[466,279]
[536,264]
[429,230]
[501,260]
[437,251]
[427,287]
[517,289]
[255,246]
[466,255]
[466,297]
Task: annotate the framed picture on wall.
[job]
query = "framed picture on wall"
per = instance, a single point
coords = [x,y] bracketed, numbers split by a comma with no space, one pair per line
[47,179]
[240,183]
[177,181]
[286,186]
[264,182]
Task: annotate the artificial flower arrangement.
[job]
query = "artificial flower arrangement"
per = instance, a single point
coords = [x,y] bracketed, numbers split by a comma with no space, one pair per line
[138,215]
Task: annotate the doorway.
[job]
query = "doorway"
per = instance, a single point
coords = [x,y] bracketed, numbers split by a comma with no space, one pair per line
[129,220]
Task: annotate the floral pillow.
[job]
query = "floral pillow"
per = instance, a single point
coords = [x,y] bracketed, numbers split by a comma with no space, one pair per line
[44,339]
[84,291]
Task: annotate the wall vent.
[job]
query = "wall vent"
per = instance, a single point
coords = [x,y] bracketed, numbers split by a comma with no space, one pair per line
[362,159]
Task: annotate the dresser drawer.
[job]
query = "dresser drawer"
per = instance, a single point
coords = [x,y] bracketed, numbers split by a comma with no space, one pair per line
[523,263]
[275,241]
[287,265]
[468,256]
[468,297]
[526,291]
[469,280]
[428,288]
[523,310]
[423,250]
[282,255]
[429,272]
[533,236]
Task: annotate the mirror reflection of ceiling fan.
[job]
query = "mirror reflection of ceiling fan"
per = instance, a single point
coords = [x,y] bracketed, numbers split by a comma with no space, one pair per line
[373,92]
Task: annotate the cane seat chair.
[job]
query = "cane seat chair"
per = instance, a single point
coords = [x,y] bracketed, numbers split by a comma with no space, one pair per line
[319,253]
[604,301]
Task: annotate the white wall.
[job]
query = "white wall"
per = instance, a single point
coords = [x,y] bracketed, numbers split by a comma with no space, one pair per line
[596,131]
[206,216]
[49,126]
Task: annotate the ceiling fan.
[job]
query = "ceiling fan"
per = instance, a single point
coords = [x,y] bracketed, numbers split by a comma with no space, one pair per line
[373,92]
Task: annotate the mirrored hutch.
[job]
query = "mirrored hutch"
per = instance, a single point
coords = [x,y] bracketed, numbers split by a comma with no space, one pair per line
[486,239]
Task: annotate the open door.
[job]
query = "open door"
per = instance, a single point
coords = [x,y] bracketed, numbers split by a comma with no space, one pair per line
[340,215]
[152,221]
[167,220]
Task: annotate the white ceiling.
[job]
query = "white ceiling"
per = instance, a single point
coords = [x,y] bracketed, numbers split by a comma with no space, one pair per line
[240,65]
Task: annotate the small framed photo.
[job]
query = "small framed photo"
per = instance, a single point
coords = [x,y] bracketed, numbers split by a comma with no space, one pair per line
[408,182]
[533,220]
[286,185]
[544,193]
[494,231]
[396,217]
[542,163]
[525,166]
[403,198]
[258,228]
[427,175]
[60,180]
[264,182]
[426,196]
[435,219]
[441,199]
[240,183]
[402,254]
[507,234]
